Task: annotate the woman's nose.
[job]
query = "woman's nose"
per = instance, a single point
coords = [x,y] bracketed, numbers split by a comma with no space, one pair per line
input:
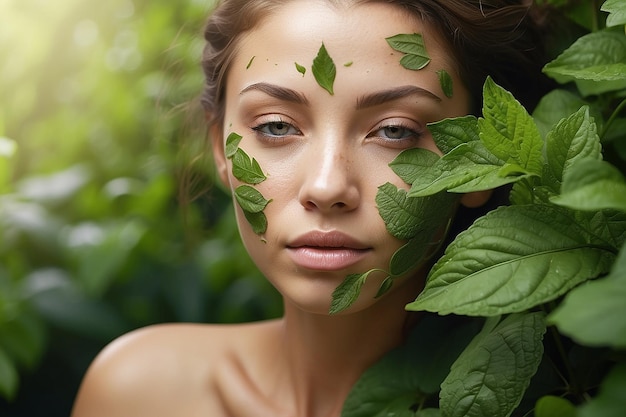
[331,180]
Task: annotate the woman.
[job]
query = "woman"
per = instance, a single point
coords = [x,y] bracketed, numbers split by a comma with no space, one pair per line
[321,145]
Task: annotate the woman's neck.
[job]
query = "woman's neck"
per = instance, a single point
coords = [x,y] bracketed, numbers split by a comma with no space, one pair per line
[325,355]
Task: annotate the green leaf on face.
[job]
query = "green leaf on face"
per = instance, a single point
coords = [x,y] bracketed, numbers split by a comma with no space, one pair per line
[401,214]
[232,143]
[572,139]
[589,313]
[412,45]
[250,62]
[508,131]
[446,83]
[593,185]
[347,292]
[596,62]
[617,12]
[250,199]
[409,375]
[300,69]
[408,256]
[348,64]
[517,257]
[384,287]
[324,70]
[258,221]
[490,376]
[413,163]
[247,170]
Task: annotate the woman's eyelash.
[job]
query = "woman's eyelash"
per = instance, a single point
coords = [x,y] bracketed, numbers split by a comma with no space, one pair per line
[396,131]
[276,128]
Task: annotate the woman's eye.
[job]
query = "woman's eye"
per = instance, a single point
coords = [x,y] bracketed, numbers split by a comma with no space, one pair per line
[396,133]
[276,129]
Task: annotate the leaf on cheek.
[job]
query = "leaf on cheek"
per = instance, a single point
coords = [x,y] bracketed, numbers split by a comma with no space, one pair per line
[324,70]
[232,143]
[247,169]
[252,204]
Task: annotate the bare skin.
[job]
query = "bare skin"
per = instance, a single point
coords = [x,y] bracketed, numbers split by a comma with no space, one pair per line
[325,157]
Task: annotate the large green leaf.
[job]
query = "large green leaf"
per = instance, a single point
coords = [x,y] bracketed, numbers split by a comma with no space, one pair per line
[554,106]
[408,377]
[517,257]
[593,185]
[491,375]
[596,62]
[594,314]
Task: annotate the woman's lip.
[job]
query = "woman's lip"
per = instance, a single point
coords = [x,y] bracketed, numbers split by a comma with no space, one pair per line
[326,251]
[325,258]
[332,240]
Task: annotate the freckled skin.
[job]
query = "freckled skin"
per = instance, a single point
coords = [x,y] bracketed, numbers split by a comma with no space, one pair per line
[322,177]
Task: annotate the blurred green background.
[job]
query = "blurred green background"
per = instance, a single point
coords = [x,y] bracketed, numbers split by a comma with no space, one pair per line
[99,115]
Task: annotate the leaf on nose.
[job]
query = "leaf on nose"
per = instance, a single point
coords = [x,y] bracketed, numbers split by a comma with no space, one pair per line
[324,70]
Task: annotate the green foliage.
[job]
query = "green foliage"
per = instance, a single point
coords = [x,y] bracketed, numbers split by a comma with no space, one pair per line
[554,257]
[97,100]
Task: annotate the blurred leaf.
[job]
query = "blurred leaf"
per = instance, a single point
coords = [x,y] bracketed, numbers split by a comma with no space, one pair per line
[551,406]
[617,12]
[610,401]
[9,378]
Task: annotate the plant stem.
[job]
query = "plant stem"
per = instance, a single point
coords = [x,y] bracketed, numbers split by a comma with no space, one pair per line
[573,385]
[613,116]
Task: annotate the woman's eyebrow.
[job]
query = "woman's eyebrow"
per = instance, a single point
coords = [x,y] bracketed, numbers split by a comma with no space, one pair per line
[278,92]
[384,96]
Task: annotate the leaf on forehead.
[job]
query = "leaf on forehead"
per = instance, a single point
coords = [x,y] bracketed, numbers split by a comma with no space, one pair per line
[250,62]
[324,70]
[232,143]
[412,45]
[300,69]
[445,80]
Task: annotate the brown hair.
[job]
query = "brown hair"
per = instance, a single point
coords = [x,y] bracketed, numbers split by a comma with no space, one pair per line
[499,38]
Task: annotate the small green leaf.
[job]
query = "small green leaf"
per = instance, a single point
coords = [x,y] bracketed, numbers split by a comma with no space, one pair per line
[491,375]
[250,199]
[409,256]
[508,131]
[250,62]
[232,144]
[348,64]
[412,45]
[518,257]
[617,12]
[324,70]
[552,406]
[347,292]
[446,83]
[385,286]
[300,69]
[247,170]
[258,221]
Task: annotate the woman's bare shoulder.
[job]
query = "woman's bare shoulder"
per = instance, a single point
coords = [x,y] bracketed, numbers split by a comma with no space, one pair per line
[164,369]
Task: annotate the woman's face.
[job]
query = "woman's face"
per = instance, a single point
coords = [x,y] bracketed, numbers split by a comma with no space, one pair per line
[326,155]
